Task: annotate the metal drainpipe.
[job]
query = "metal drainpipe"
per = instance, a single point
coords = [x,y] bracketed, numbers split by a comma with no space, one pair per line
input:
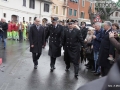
[78,8]
[40,8]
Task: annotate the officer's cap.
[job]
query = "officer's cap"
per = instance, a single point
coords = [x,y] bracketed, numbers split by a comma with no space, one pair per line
[54,19]
[83,23]
[76,20]
[71,22]
[35,18]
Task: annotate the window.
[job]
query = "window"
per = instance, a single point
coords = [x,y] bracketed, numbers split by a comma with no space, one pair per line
[30,18]
[4,15]
[24,2]
[116,14]
[46,7]
[75,12]
[63,11]
[56,9]
[83,3]
[82,15]
[32,4]
[70,12]
[91,5]
[23,18]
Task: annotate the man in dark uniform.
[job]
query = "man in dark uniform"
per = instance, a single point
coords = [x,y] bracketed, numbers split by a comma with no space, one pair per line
[55,32]
[36,38]
[71,41]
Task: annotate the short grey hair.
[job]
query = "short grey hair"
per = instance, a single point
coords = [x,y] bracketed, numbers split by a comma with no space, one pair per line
[108,23]
[98,24]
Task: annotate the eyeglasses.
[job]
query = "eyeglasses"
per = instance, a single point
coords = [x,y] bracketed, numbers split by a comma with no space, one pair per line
[70,23]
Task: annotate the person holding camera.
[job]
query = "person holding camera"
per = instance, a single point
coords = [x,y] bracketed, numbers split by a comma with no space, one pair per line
[115,39]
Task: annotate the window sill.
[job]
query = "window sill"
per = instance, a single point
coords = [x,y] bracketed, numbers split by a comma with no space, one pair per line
[46,12]
[24,6]
[5,1]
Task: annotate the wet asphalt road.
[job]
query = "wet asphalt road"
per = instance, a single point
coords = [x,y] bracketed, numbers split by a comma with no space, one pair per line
[17,72]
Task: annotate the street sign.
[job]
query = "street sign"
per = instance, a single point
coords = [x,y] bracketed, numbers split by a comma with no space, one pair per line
[97,19]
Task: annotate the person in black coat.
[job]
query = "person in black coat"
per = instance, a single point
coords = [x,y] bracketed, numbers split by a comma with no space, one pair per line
[55,32]
[71,41]
[106,50]
[3,31]
[84,31]
[36,38]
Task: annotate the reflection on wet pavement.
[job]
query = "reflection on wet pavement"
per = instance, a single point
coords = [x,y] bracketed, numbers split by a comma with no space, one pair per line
[17,72]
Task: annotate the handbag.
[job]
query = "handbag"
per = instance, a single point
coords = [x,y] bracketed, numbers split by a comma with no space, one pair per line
[88,50]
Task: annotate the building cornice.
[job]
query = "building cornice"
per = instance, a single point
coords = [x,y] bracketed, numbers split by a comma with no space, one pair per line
[17,10]
[47,1]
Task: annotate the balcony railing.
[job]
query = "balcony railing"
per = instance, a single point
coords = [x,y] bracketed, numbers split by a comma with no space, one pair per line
[65,4]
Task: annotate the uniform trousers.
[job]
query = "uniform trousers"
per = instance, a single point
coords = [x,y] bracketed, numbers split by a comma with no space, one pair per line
[104,70]
[53,60]
[68,60]
[35,57]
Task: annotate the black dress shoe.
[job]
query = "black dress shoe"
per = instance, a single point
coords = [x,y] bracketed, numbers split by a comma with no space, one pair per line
[66,69]
[93,71]
[76,76]
[97,74]
[35,67]
[89,67]
[52,69]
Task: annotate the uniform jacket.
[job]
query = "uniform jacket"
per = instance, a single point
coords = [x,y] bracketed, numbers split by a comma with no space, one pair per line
[16,27]
[9,27]
[13,26]
[36,38]
[71,42]
[106,49]
[55,35]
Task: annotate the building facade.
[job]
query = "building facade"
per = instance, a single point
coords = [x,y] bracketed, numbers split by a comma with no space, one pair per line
[72,10]
[59,9]
[46,9]
[23,10]
[84,7]
[115,17]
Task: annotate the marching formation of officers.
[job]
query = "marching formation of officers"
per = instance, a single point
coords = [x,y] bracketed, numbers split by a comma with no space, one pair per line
[68,36]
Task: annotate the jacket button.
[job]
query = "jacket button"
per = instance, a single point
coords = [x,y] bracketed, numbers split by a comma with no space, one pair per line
[52,37]
[52,33]
[52,41]
[67,46]
[55,41]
